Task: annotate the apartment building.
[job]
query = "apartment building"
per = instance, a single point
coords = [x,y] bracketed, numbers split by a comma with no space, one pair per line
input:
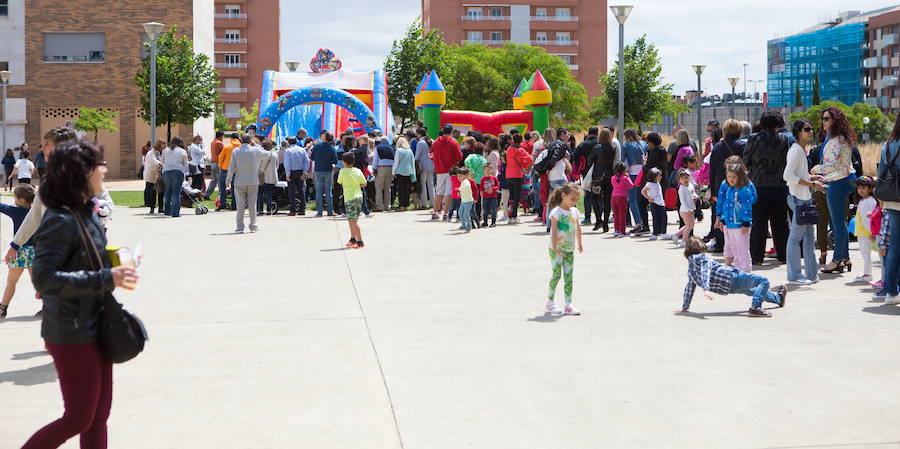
[574,30]
[85,53]
[246,45]
[882,62]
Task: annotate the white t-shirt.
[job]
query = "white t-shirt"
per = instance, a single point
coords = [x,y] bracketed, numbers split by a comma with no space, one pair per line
[654,191]
[567,223]
[558,172]
[686,196]
[25,167]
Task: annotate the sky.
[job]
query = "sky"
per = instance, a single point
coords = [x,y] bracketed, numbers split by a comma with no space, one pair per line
[726,38]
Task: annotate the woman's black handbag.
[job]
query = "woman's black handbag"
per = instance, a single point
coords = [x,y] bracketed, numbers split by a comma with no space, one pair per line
[807,214]
[122,335]
[887,187]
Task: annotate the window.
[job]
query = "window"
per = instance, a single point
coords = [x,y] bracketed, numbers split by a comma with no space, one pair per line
[473,12]
[563,12]
[474,36]
[4,7]
[541,36]
[232,59]
[496,35]
[4,65]
[232,36]
[74,47]
[566,58]
[496,12]
[232,110]
[232,83]
[232,10]
[540,12]
[563,37]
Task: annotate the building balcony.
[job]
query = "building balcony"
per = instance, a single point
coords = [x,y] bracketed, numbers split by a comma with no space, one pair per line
[486,42]
[232,95]
[229,20]
[889,81]
[553,26]
[230,40]
[230,47]
[889,39]
[485,18]
[231,90]
[558,43]
[554,18]
[875,62]
[230,2]
[232,114]
[231,70]
[573,66]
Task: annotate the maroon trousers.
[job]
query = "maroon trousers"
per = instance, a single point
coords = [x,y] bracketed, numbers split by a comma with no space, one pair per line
[620,210]
[86,383]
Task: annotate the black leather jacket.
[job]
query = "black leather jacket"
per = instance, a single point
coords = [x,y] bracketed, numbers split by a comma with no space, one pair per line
[766,156]
[62,273]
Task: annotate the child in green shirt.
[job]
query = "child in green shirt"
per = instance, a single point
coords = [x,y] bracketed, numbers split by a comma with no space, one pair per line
[352,181]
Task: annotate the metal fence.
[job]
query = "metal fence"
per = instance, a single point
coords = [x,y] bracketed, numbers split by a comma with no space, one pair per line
[721,113]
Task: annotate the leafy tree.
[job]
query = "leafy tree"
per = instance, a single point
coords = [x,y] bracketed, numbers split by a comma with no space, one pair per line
[817,96]
[411,57]
[95,120]
[484,79]
[879,127]
[185,82]
[798,100]
[248,117]
[646,97]
[220,122]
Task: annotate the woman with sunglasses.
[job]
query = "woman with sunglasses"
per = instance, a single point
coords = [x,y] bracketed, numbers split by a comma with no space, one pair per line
[799,182]
[835,169]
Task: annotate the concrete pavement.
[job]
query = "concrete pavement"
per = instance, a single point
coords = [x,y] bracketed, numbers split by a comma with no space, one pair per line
[431,339]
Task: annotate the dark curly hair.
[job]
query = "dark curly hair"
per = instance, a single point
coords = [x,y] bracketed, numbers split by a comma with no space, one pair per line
[839,126]
[66,182]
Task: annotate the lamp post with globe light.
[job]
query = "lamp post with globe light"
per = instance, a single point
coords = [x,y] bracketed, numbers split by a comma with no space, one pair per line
[4,80]
[866,121]
[698,69]
[292,65]
[621,13]
[733,81]
[153,29]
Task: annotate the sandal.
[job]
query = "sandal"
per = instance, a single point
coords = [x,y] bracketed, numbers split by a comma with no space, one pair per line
[3,310]
[833,267]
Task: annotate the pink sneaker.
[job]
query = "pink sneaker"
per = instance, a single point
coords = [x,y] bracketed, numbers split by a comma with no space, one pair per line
[878,285]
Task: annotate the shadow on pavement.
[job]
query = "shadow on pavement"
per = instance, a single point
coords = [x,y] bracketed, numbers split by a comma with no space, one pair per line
[343,248]
[883,310]
[546,318]
[35,375]
[228,233]
[703,316]
[23,318]
[29,355]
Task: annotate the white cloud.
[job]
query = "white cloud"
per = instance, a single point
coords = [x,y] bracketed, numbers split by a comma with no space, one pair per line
[721,35]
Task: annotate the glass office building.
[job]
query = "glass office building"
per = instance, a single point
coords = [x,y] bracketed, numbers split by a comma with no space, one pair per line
[834,50]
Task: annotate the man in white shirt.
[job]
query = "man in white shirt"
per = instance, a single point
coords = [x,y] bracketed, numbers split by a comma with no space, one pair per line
[243,177]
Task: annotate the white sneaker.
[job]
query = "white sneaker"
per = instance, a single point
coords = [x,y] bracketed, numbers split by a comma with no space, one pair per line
[892,299]
[571,310]
[654,237]
[801,281]
[674,238]
[866,278]
[711,244]
[370,215]
[666,236]
[553,309]
[503,218]
[681,244]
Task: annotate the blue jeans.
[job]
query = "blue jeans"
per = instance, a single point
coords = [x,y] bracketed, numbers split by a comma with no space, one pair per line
[489,206]
[588,201]
[465,215]
[173,180]
[804,235]
[891,261]
[836,196]
[222,175]
[264,197]
[324,183]
[633,203]
[753,285]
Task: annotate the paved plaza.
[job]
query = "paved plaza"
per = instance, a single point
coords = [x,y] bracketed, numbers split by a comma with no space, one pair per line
[431,339]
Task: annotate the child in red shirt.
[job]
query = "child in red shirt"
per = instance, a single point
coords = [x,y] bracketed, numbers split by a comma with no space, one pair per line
[454,194]
[490,186]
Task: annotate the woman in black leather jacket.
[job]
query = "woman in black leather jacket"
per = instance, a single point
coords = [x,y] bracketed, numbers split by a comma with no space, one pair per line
[602,158]
[72,290]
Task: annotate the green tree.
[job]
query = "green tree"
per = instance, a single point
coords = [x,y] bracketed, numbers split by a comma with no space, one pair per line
[220,122]
[411,57]
[798,99]
[817,97]
[480,78]
[646,96]
[95,120]
[879,127]
[185,82]
[248,117]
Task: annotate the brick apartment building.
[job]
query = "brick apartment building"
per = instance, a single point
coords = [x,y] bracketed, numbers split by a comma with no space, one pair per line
[246,45]
[574,30]
[882,60]
[85,53]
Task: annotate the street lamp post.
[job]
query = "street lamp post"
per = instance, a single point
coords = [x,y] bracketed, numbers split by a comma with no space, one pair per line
[4,80]
[153,29]
[292,65]
[866,121]
[621,12]
[698,69]
[745,81]
[733,81]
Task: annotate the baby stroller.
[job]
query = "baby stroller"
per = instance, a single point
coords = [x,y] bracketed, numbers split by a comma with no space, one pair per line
[191,197]
[280,198]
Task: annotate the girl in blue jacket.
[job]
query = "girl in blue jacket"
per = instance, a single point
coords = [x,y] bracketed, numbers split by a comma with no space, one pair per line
[734,210]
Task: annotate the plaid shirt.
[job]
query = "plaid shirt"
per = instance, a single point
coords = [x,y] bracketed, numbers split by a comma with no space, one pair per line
[708,275]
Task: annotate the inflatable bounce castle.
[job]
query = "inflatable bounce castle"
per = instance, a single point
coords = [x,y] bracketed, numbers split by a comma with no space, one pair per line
[326,98]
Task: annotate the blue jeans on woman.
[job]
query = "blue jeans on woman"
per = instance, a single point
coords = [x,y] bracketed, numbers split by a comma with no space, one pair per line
[264,197]
[891,261]
[805,234]
[633,203]
[754,285]
[836,195]
[173,180]
[324,183]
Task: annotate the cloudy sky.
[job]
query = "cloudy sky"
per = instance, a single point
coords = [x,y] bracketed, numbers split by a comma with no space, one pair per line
[723,40]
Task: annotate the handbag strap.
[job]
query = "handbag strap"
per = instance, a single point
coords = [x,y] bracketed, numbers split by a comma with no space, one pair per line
[93,254]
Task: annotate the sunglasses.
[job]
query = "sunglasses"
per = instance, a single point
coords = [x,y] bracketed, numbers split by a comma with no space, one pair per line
[101,164]
[826,118]
[809,130]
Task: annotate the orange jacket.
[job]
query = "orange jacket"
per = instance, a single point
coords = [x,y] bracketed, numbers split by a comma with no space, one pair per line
[225,155]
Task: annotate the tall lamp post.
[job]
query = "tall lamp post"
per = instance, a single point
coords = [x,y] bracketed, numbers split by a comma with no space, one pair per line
[4,80]
[153,29]
[621,12]
[292,65]
[733,81]
[745,80]
[698,69]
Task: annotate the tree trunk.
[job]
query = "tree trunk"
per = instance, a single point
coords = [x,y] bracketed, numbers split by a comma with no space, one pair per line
[168,131]
[402,124]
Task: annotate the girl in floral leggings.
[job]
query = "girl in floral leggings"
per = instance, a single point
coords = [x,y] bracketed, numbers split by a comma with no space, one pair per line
[565,233]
